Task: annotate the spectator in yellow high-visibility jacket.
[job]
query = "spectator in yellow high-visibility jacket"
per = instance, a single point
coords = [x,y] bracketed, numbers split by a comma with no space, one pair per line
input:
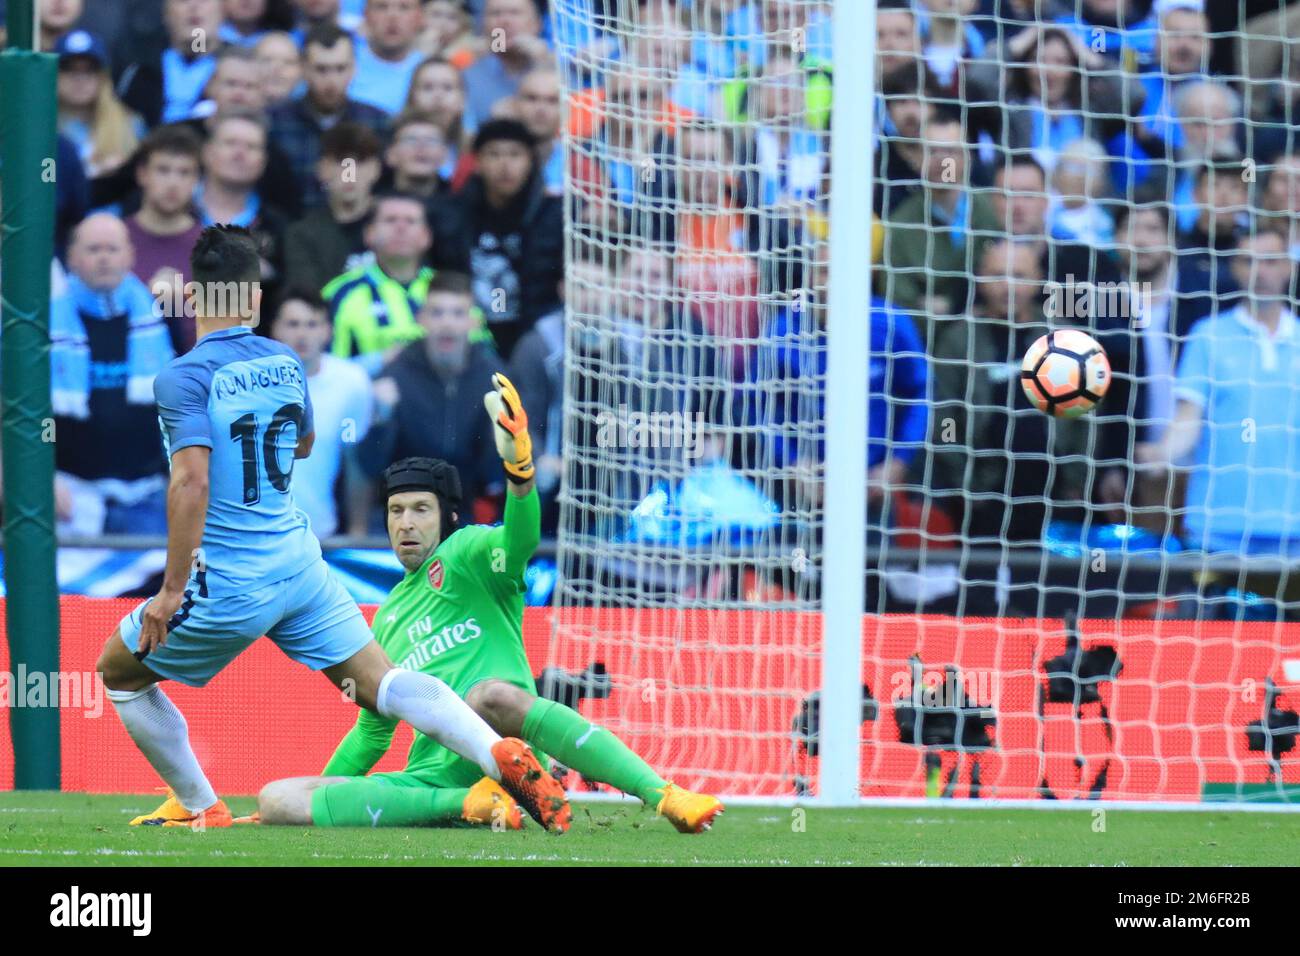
[374,306]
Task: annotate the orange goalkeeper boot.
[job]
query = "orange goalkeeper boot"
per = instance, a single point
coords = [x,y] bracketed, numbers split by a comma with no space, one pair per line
[173,814]
[535,790]
[689,812]
[488,805]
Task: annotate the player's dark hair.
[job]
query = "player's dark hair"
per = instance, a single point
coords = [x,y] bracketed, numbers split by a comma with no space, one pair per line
[225,253]
[439,478]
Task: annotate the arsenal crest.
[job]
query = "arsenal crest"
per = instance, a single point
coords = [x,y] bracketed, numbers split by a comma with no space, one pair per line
[435,574]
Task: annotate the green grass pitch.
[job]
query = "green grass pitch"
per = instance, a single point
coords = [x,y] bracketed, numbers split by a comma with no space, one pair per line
[51,829]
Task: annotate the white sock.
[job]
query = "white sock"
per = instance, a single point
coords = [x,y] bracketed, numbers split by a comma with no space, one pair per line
[160,731]
[434,709]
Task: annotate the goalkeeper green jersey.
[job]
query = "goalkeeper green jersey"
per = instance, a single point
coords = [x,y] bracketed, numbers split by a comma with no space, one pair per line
[459,617]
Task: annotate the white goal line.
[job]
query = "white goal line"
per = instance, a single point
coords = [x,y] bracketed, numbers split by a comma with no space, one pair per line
[947,803]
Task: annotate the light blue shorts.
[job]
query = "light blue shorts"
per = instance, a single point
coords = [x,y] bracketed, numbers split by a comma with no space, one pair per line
[309,616]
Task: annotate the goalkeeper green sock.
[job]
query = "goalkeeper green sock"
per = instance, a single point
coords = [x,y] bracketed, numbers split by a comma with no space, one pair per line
[374,803]
[592,751]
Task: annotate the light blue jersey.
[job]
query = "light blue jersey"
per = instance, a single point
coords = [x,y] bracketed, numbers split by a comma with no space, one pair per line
[1243,490]
[245,397]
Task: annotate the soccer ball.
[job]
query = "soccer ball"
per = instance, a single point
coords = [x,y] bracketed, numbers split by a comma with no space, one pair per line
[1065,373]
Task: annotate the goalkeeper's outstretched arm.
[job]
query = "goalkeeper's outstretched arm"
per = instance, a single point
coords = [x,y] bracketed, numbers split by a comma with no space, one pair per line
[521,529]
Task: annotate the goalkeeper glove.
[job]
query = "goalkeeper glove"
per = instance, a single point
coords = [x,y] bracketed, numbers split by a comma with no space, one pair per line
[511,429]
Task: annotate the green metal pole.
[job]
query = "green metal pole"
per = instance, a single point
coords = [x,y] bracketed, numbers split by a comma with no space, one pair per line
[22,25]
[28,175]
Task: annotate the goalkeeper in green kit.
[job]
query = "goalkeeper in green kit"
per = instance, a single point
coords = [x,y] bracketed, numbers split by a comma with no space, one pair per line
[458,614]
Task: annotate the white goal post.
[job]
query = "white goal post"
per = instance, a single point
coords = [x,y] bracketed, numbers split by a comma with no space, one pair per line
[848,346]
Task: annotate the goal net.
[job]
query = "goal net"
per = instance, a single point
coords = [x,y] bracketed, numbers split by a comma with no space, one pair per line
[1098,607]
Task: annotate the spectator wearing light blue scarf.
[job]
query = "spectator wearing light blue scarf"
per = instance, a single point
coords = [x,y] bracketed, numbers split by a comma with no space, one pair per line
[72,367]
[149,345]
[108,341]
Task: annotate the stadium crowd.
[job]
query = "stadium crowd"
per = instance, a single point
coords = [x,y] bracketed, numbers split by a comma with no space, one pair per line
[402,165]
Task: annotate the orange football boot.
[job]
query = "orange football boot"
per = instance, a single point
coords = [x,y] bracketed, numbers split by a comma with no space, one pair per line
[487,802]
[532,787]
[689,812]
[173,814]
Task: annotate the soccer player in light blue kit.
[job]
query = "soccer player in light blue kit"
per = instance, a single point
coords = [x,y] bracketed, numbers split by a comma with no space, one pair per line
[242,561]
